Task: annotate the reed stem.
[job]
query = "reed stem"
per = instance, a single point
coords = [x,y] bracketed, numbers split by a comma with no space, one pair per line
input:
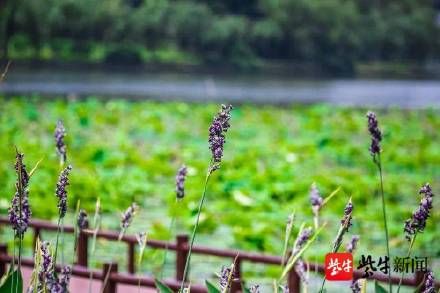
[202,200]
[384,213]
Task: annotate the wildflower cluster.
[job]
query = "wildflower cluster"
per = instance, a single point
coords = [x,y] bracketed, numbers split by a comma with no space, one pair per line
[82,220]
[217,130]
[351,246]
[61,192]
[19,213]
[60,133]
[417,222]
[180,182]
[376,134]
[127,216]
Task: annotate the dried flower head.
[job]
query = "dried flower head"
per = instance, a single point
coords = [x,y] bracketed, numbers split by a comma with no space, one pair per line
[217,130]
[82,220]
[356,286]
[376,134]
[302,238]
[315,198]
[128,215]
[19,213]
[429,283]
[61,192]
[417,222]
[60,133]
[254,288]
[346,220]
[45,272]
[345,225]
[225,278]
[180,182]
[351,246]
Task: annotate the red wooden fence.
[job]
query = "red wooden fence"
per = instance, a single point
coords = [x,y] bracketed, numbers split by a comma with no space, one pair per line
[180,247]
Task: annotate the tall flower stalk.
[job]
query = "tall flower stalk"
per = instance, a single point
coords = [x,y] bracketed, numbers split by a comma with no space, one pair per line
[19,213]
[59,134]
[217,131]
[142,242]
[180,194]
[417,223]
[375,150]
[61,193]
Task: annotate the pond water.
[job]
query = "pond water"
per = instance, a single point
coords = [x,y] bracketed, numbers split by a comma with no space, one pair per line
[234,88]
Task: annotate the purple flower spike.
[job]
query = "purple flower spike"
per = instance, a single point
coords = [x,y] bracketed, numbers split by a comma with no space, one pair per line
[128,215]
[346,220]
[255,289]
[417,222]
[61,192]
[19,213]
[180,182]
[60,133]
[82,220]
[224,279]
[66,273]
[301,240]
[376,134]
[351,246]
[429,283]
[315,199]
[217,130]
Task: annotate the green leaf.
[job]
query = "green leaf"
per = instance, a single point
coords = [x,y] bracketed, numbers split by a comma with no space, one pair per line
[12,283]
[162,288]
[378,288]
[211,288]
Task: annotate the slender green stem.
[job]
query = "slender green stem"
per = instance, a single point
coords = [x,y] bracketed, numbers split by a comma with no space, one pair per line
[62,241]
[19,258]
[56,243]
[11,269]
[193,236]
[171,228]
[407,255]
[379,166]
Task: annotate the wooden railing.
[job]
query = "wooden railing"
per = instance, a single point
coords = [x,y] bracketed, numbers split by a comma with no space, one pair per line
[180,247]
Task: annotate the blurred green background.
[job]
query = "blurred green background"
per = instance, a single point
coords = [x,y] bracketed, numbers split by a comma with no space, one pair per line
[334,36]
[124,151]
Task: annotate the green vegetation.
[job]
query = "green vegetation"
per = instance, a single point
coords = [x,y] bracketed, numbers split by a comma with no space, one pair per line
[335,35]
[130,151]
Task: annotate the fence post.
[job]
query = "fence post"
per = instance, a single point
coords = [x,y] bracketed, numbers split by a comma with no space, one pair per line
[181,255]
[131,269]
[3,265]
[236,278]
[83,248]
[293,281]
[109,268]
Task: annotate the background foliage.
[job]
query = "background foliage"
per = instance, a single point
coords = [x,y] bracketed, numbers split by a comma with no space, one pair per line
[124,151]
[332,34]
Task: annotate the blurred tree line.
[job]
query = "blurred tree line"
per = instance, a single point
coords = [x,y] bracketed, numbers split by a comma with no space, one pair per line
[332,34]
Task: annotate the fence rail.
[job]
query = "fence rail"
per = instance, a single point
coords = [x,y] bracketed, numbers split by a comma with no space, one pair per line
[180,247]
